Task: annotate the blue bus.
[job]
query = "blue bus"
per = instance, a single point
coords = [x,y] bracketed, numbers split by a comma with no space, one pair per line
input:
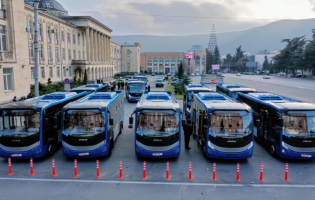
[92,124]
[285,126]
[134,90]
[223,126]
[189,89]
[157,125]
[142,78]
[232,90]
[91,88]
[32,128]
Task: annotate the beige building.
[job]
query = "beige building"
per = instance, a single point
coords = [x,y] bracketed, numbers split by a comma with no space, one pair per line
[162,63]
[130,55]
[198,61]
[68,45]
[115,54]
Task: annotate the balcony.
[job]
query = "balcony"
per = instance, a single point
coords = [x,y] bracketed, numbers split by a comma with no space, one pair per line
[6,56]
[50,61]
[79,62]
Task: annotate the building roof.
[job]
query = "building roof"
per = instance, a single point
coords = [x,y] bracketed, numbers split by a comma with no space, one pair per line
[196,47]
[50,6]
[85,17]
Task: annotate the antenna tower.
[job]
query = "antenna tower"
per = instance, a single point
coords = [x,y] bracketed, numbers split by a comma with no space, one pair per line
[213,40]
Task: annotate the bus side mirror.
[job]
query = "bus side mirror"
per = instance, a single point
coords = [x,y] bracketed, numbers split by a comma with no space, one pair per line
[111,121]
[205,121]
[192,98]
[46,122]
[131,120]
[281,123]
[258,123]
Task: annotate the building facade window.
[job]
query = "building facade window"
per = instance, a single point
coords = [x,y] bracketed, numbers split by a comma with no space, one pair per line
[40,32]
[68,36]
[173,62]
[167,62]
[128,52]
[69,54]
[49,52]
[179,61]
[50,72]
[79,38]
[40,51]
[56,36]
[149,62]
[63,36]
[155,61]
[48,34]
[31,50]
[7,79]
[73,38]
[58,71]
[203,61]
[74,55]
[79,55]
[197,61]
[3,39]
[57,53]
[70,72]
[64,71]
[161,61]
[63,54]
[161,70]
[83,55]
[32,72]
[82,40]
[155,70]
[128,60]
[42,72]
[30,29]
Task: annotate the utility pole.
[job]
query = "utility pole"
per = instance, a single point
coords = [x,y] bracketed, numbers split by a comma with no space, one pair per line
[36,2]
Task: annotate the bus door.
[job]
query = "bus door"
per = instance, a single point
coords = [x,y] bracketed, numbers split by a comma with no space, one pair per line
[264,126]
[200,129]
[184,104]
[194,119]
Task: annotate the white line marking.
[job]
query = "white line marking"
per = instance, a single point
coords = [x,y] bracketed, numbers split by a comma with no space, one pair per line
[158,183]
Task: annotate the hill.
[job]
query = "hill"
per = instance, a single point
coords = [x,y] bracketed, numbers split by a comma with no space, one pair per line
[253,40]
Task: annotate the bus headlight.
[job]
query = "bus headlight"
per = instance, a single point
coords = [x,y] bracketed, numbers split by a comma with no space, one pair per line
[284,151]
[209,151]
[251,145]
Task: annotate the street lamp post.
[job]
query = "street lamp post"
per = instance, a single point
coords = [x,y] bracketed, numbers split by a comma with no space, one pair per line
[36,2]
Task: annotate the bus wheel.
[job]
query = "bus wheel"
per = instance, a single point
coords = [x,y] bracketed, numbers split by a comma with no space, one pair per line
[50,149]
[121,127]
[272,149]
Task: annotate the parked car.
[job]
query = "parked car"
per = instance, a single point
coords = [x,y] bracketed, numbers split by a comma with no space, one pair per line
[266,77]
[176,82]
[282,74]
[159,83]
[238,74]
[222,75]
[175,78]
[127,78]
[197,74]
[153,74]
[192,75]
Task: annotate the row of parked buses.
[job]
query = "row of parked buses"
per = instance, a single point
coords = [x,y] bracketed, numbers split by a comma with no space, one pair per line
[88,120]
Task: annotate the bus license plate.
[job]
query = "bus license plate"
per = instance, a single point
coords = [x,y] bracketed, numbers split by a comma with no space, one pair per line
[157,154]
[83,154]
[16,155]
[306,156]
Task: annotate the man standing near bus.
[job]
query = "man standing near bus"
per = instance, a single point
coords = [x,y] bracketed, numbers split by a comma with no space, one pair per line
[187,132]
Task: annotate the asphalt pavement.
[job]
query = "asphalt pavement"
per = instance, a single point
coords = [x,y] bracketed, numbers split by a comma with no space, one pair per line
[64,186]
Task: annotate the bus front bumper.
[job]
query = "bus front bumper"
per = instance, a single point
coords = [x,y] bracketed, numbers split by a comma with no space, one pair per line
[133,99]
[140,152]
[101,151]
[285,152]
[36,152]
[213,153]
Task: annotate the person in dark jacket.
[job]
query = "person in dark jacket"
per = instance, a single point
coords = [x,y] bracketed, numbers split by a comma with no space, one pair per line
[29,96]
[122,85]
[149,88]
[14,99]
[188,128]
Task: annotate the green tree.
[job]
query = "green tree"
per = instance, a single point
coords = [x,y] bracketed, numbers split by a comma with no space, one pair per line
[209,61]
[85,79]
[309,53]
[180,71]
[49,81]
[75,78]
[217,56]
[266,64]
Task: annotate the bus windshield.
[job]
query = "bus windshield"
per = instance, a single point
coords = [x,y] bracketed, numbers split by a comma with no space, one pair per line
[299,123]
[83,123]
[157,123]
[231,123]
[21,123]
[144,79]
[136,88]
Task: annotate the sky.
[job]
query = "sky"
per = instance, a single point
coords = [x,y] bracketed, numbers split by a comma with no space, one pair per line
[188,17]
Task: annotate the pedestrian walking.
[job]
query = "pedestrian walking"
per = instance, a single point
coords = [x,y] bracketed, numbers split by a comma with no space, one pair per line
[14,99]
[149,88]
[188,128]
[122,85]
[119,84]
[29,96]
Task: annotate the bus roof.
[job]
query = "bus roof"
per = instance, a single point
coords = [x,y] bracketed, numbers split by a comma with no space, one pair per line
[278,102]
[197,87]
[216,101]
[97,100]
[42,101]
[135,82]
[95,85]
[158,100]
